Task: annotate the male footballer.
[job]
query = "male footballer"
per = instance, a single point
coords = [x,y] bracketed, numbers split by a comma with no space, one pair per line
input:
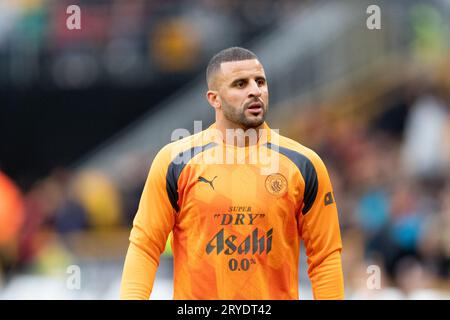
[238,198]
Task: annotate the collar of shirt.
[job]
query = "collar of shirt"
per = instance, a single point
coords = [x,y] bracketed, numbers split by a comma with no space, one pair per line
[214,135]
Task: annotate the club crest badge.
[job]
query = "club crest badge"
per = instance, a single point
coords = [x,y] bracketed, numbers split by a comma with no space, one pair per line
[276,184]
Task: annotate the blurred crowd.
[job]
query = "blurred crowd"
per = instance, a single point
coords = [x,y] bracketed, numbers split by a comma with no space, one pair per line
[123,42]
[391,177]
[46,227]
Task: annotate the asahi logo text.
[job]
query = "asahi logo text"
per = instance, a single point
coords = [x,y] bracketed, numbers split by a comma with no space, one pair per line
[257,242]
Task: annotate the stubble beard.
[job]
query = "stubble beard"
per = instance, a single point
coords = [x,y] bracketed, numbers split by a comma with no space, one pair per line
[238,117]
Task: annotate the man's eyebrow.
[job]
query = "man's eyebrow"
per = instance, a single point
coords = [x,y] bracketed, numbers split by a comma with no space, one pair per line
[246,79]
[238,79]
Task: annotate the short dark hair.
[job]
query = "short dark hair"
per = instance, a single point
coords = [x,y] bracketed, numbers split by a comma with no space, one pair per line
[227,55]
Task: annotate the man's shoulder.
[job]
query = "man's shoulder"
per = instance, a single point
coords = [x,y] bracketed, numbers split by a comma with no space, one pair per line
[171,150]
[304,157]
[292,145]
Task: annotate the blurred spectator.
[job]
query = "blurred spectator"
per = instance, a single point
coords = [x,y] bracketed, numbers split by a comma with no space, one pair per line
[435,247]
[41,205]
[71,217]
[426,136]
[11,219]
[429,32]
[406,227]
[131,174]
[176,45]
[392,119]
[98,195]
[412,277]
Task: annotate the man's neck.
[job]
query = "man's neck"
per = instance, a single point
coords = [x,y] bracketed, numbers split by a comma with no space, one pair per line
[239,136]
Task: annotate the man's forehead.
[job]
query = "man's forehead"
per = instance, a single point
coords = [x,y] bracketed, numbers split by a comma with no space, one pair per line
[241,68]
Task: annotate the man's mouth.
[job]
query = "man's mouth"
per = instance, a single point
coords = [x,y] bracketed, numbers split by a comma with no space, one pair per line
[255,107]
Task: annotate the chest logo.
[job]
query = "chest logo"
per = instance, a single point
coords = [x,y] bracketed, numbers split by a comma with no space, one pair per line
[276,184]
[201,179]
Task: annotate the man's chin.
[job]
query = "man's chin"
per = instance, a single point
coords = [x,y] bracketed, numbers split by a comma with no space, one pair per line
[253,123]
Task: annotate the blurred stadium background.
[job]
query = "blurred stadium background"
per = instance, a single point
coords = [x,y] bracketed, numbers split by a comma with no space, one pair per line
[83,112]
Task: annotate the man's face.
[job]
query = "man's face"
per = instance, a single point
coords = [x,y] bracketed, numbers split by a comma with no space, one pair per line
[243,93]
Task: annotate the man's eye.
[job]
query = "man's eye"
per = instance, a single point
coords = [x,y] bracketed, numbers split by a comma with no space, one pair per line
[261,82]
[240,84]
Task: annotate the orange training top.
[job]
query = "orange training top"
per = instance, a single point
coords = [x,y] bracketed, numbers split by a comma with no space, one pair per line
[237,216]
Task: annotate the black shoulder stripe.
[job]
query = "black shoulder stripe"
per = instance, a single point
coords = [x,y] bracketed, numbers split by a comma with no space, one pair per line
[176,167]
[306,169]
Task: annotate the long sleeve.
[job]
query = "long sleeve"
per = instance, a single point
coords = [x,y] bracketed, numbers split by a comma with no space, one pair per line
[154,221]
[319,228]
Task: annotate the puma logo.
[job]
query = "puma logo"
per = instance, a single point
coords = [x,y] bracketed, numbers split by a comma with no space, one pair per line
[200,178]
[329,198]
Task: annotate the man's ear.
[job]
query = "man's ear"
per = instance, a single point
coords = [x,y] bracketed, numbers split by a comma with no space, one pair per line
[213,98]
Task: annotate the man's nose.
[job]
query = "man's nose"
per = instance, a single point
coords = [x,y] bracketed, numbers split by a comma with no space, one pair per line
[255,90]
